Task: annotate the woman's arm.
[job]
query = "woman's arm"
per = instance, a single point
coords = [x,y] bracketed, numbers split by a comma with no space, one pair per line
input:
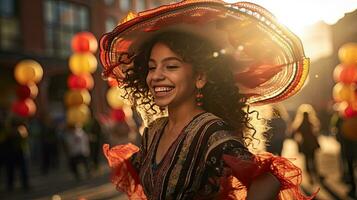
[264,187]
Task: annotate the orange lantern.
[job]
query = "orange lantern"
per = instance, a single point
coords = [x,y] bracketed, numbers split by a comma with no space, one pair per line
[114,97]
[84,42]
[28,71]
[78,115]
[82,81]
[348,53]
[77,97]
[81,63]
[348,74]
[342,92]
[24,108]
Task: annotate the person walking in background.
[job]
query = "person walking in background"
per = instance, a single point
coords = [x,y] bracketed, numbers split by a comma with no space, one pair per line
[94,131]
[306,127]
[17,152]
[278,128]
[348,153]
[77,148]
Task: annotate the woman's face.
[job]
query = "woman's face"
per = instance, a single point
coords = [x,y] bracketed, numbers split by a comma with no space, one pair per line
[171,81]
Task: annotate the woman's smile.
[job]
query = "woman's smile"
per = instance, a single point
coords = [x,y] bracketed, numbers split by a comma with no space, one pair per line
[171,81]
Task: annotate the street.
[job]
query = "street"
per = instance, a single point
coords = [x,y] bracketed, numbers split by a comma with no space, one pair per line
[60,185]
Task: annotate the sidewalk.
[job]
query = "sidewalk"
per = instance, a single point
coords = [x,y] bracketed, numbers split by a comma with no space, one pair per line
[328,160]
[59,184]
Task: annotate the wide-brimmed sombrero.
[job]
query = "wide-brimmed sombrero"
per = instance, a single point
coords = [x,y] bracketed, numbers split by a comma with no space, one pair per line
[272,64]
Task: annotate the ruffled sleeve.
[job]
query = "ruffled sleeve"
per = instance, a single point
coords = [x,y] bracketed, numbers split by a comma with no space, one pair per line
[238,168]
[124,175]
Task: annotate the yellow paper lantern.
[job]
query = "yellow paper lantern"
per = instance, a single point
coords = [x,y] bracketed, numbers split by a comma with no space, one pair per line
[114,97]
[80,63]
[342,92]
[33,89]
[28,71]
[348,53]
[78,115]
[77,97]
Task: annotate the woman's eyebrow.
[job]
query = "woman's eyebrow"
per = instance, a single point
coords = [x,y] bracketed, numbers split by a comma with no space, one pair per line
[166,59]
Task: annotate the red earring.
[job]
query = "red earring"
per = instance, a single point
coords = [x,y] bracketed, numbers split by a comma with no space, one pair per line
[199,98]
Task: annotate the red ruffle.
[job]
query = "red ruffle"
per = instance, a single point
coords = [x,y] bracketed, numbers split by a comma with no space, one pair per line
[234,185]
[124,175]
[242,172]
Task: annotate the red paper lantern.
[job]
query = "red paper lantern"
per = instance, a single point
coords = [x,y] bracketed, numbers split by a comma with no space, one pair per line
[350,112]
[118,115]
[82,81]
[84,42]
[23,92]
[24,108]
[348,74]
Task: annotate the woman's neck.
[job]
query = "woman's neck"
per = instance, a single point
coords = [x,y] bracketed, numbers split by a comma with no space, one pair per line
[182,115]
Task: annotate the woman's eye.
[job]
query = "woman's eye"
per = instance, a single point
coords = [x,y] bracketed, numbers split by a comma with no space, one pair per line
[172,66]
[151,68]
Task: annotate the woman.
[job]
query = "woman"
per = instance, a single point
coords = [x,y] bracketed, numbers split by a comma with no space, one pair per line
[306,127]
[196,148]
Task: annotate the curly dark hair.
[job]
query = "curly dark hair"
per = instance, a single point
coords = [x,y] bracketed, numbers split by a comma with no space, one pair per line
[221,95]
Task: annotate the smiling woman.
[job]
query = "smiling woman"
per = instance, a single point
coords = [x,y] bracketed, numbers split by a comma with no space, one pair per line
[200,86]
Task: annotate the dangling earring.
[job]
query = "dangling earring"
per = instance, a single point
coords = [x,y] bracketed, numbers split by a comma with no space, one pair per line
[199,98]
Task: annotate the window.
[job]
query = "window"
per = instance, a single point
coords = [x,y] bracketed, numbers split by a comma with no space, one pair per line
[109,2]
[62,21]
[140,5]
[124,5]
[9,25]
[110,24]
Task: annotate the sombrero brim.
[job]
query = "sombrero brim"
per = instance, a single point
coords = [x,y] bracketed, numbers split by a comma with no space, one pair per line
[272,64]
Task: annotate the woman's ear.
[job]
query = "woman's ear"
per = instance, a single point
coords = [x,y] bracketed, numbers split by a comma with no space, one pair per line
[201,80]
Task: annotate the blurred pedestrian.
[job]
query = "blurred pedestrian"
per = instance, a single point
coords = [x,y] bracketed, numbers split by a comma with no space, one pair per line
[348,153]
[77,147]
[49,146]
[278,129]
[94,130]
[306,127]
[16,148]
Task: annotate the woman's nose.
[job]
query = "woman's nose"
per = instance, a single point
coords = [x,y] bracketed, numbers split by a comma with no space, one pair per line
[158,74]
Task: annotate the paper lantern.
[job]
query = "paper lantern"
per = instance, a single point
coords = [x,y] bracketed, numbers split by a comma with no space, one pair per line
[24,108]
[342,92]
[118,115]
[348,53]
[81,63]
[337,73]
[77,97]
[78,115]
[28,71]
[349,127]
[84,42]
[27,91]
[348,74]
[82,81]
[350,112]
[114,97]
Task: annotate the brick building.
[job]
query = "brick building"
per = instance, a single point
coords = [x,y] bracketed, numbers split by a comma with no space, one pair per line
[42,30]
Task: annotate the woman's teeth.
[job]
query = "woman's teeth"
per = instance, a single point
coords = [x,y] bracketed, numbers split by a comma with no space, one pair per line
[163,89]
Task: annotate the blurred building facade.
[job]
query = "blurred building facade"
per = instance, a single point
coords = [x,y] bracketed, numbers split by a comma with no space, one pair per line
[42,30]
